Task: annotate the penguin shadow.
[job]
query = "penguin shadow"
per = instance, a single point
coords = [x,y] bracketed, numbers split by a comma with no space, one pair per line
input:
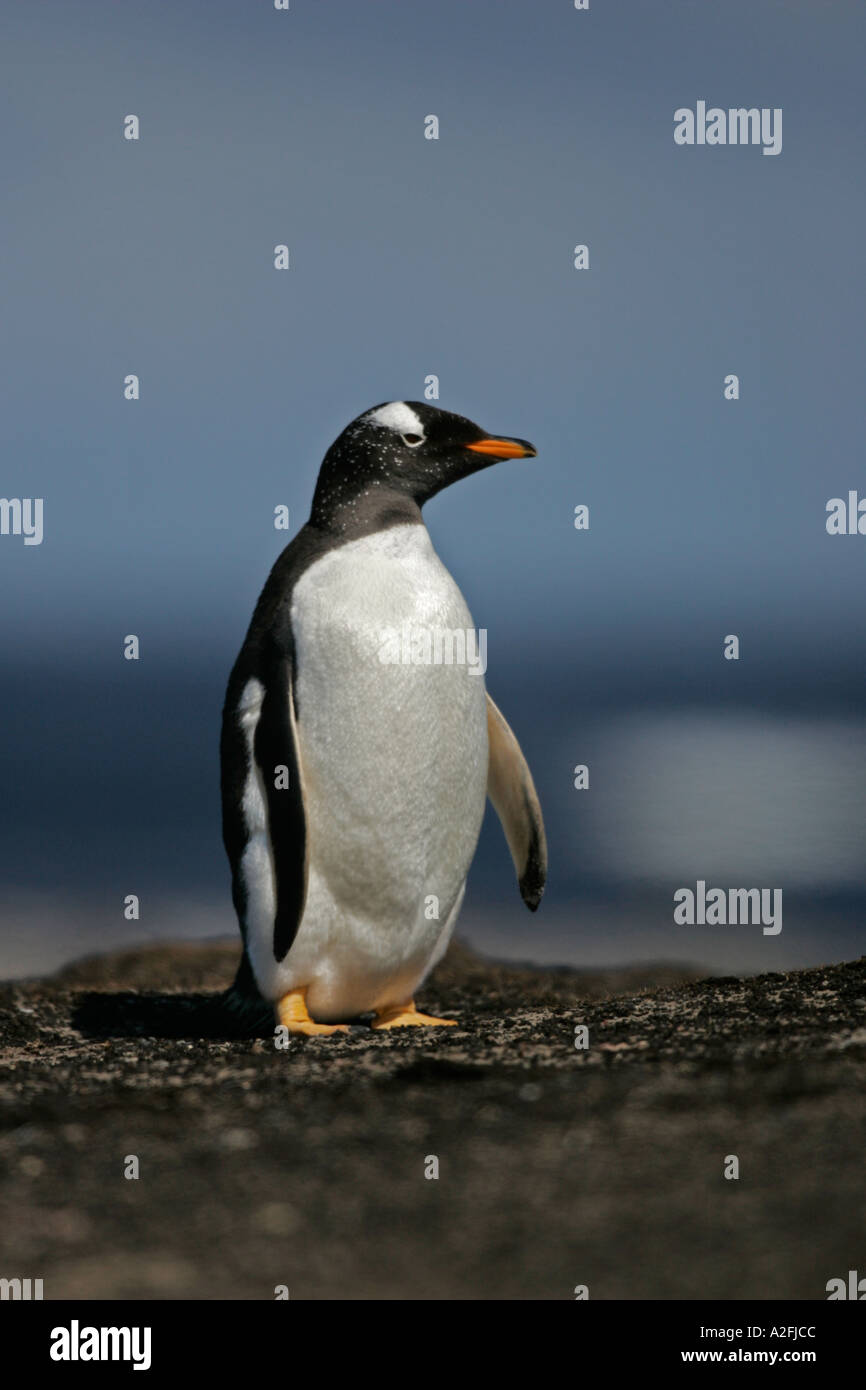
[225,1018]
[126,1014]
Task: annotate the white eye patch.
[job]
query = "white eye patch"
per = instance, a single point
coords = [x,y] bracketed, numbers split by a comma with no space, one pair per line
[397,416]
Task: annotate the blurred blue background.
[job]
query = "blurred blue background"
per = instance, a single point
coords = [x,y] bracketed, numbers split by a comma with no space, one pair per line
[453,257]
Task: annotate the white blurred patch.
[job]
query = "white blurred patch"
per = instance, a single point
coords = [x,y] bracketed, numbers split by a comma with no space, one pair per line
[739,798]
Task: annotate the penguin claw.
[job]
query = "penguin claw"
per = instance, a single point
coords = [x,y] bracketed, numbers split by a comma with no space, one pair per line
[314,1030]
[407,1016]
[292,1014]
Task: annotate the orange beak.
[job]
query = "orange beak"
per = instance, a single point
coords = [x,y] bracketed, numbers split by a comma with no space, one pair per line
[503,448]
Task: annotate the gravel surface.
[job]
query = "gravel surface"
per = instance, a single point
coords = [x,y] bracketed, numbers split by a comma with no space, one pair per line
[556,1166]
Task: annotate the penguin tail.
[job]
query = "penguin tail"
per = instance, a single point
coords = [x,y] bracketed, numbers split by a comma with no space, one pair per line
[244,1011]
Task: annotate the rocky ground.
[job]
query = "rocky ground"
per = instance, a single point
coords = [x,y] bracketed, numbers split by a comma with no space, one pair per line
[556,1166]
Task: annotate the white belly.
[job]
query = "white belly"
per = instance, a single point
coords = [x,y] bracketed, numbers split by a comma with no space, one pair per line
[394,763]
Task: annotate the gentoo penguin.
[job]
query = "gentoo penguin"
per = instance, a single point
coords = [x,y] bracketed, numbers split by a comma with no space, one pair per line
[358,747]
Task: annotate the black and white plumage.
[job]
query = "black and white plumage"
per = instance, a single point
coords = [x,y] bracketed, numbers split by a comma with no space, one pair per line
[353,789]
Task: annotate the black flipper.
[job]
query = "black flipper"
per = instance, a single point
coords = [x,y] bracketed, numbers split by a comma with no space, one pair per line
[276,747]
[242,1010]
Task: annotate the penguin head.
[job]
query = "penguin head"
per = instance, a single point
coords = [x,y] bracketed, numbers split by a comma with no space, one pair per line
[408,448]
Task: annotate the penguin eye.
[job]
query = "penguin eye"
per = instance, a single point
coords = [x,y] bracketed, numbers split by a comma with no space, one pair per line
[413,440]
